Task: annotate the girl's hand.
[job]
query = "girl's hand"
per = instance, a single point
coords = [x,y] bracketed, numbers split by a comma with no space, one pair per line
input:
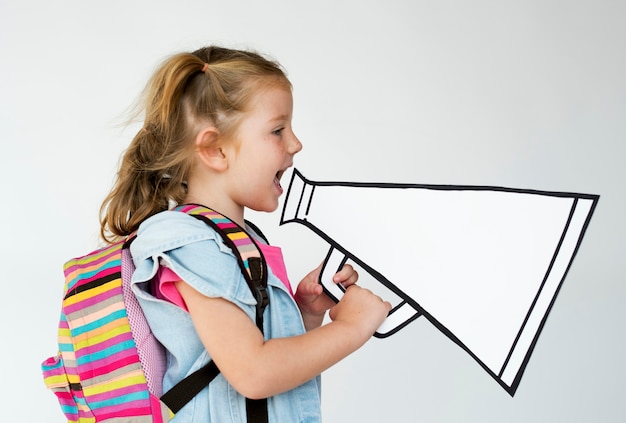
[361,309]
[312,300]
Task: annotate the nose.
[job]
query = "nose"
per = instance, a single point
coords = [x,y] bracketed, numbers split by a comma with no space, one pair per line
[295,145]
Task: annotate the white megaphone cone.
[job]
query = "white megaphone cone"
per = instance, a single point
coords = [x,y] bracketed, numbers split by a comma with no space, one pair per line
[483,264]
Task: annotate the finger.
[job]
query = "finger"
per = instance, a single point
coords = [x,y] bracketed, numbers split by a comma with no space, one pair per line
[347,275]
[343,273]
[351,280]
[309,289]
[315,289]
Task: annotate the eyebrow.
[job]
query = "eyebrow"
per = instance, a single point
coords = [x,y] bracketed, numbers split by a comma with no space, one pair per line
[279,118]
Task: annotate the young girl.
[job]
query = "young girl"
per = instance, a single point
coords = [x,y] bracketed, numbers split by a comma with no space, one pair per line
[218,133]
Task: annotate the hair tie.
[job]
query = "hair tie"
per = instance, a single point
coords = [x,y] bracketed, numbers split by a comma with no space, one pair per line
[205,67]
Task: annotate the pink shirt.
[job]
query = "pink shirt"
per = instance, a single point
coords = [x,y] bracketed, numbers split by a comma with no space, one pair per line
[165,277]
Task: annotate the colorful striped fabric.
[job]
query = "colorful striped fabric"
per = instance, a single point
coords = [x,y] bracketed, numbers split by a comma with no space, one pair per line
[98,375]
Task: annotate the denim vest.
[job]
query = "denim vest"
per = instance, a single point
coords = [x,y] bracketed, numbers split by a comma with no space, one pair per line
[197,254]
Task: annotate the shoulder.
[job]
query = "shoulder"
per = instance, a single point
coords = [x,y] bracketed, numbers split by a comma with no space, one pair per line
[194,251]
[169,230]
[169,218]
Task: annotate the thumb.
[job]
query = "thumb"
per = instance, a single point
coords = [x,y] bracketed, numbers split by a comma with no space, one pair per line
[308,292]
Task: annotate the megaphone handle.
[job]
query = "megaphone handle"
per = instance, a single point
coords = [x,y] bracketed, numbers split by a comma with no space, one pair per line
[333,263]
[398,317]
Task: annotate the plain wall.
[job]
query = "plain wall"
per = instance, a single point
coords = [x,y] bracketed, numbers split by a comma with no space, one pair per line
[523,94]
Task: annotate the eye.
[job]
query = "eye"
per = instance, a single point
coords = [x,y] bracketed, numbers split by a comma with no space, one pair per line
[277,131]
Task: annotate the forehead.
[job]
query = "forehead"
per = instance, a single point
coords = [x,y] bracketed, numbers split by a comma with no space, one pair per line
[269,100]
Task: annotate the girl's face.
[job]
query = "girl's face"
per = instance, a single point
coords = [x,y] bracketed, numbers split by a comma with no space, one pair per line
[263,148]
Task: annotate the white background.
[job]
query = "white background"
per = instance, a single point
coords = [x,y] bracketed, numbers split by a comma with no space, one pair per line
[526,94]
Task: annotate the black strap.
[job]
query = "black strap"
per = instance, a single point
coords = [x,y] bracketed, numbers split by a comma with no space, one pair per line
[184,391]
[258,286]
[256,410]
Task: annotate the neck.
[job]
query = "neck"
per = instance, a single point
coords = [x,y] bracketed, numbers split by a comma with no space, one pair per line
[213,195]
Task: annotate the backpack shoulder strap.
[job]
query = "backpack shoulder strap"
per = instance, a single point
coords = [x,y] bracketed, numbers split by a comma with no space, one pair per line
[249,256]
[254,269]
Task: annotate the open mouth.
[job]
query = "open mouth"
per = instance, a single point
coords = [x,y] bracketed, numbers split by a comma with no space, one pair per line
[277,177]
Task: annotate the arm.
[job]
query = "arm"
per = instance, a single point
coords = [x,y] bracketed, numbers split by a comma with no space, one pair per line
[244,358]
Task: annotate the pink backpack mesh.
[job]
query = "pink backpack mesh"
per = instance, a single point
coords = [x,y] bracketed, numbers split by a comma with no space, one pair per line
[151,352]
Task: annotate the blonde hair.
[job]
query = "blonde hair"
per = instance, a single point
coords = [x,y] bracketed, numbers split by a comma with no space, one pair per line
[211,85]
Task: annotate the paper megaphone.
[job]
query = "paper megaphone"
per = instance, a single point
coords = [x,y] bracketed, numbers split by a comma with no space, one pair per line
[483,264]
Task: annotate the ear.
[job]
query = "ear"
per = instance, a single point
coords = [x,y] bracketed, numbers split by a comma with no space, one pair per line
[209,149]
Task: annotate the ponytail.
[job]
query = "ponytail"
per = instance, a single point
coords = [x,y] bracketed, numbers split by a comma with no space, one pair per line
[212,85]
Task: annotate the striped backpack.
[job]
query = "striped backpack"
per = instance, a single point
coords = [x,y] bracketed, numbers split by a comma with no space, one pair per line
[110,367]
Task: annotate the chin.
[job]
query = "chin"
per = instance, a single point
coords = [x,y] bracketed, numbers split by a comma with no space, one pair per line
[268,208]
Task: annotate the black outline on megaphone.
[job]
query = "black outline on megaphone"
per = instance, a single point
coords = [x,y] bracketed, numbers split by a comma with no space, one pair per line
[296,208]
